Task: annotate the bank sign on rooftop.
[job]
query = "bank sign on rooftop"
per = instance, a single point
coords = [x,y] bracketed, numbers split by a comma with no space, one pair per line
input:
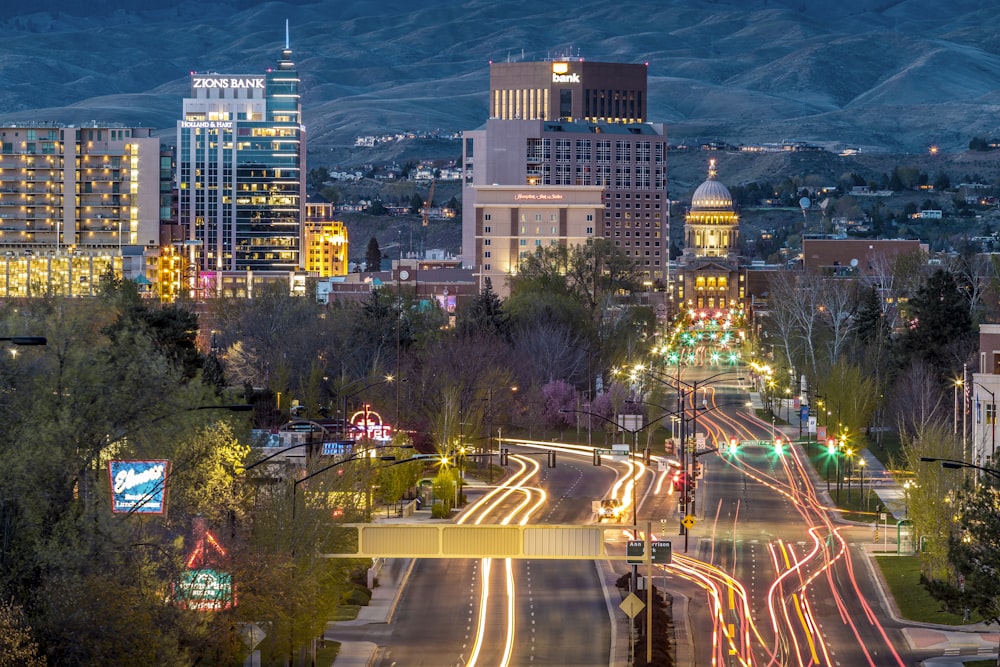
[227,81]
[561,74]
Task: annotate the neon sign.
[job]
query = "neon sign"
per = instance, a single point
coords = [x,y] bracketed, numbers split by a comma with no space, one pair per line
[369,423]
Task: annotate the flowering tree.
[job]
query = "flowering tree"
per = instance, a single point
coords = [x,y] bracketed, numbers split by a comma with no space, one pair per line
[557,396]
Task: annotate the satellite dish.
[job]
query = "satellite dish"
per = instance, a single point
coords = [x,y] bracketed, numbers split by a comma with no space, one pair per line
[804,203]
[854,263]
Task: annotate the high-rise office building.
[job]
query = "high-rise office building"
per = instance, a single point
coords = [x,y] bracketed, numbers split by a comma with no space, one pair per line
[240,167]
[572,123]
[568,89]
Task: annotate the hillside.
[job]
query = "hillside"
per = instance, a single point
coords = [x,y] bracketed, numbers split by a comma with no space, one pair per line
[882,76]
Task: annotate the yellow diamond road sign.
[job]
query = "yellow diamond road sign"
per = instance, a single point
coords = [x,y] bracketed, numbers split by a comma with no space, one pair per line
[688,522]
[632,605]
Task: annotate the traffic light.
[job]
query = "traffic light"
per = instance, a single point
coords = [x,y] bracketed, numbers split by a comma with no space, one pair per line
[504,454]
[831,446]
[734,446]
[696,469]
[778,444]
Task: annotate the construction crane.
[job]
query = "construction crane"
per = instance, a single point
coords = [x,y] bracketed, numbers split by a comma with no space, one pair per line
[426,210]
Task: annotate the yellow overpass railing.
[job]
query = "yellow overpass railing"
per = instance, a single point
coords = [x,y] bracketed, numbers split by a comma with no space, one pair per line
[556,542]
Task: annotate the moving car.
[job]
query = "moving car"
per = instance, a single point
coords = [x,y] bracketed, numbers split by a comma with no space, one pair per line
[611,509]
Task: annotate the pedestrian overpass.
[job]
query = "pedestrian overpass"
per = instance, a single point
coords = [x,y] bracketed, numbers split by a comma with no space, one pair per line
[551,541]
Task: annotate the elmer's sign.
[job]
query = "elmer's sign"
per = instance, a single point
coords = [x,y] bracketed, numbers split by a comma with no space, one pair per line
[138,487]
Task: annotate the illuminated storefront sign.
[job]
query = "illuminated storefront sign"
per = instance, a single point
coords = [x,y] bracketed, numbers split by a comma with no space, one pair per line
[538,196]
[204,590]
[369,423]
[138,487]
[202,587]
[228,82]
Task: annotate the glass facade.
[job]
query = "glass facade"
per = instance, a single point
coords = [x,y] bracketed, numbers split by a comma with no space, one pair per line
[240,157]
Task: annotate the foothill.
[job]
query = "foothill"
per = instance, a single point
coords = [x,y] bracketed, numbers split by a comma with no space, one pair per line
[550,389]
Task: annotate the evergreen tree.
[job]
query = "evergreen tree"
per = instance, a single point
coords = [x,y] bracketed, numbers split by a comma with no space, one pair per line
[484,315]
[869,323]
[939,329]
[373,256]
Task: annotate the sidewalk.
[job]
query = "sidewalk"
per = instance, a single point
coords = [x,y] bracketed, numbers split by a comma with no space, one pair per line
[356,649]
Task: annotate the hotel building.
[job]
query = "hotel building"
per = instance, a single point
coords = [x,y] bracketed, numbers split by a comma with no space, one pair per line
[240,166]
[560,124]
[75,201]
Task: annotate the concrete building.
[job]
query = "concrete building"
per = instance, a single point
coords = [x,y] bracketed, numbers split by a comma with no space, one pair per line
[573,123]
[568,89]
[512,222]
[984,390]
[75,201]
[240,173]
[855,257]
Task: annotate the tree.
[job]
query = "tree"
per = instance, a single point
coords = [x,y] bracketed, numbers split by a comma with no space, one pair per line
[17,646]
[979,144]
[932,491]
[939,329]
[942,181]
[974,552]
[484,315]
[373,256]
[416,203]
[558,396]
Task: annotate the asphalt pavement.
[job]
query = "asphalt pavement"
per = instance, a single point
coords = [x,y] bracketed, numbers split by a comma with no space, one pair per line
[957,642]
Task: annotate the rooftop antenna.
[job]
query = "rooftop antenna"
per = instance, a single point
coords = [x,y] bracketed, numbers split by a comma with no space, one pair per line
[286,34]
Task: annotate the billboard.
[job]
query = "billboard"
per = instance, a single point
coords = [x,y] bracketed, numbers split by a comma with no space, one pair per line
[138,487]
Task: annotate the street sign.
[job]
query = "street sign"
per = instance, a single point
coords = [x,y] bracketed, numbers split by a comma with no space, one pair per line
[632,605]
[661,551]
[604,452]
[688,522]
[634,549]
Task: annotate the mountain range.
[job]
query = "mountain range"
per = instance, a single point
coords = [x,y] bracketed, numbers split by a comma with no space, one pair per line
[877,75]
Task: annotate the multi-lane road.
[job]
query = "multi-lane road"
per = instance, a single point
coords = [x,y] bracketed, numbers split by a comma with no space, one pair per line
[771,578]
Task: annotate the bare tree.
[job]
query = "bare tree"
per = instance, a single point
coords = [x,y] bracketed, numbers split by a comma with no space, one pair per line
[917,400]
[781,314]
[837,313]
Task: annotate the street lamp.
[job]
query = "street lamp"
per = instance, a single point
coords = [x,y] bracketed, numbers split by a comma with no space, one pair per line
[954,464]
[861,468]
[26,340]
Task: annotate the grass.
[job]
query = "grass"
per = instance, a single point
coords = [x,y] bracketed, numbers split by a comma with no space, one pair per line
[325,655]
[346,612]
[902,575]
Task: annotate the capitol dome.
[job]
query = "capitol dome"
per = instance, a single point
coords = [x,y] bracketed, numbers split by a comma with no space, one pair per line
[711,194]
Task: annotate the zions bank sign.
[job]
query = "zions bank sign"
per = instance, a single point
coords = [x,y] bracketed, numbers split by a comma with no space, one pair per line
[226,82]
[561,74]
